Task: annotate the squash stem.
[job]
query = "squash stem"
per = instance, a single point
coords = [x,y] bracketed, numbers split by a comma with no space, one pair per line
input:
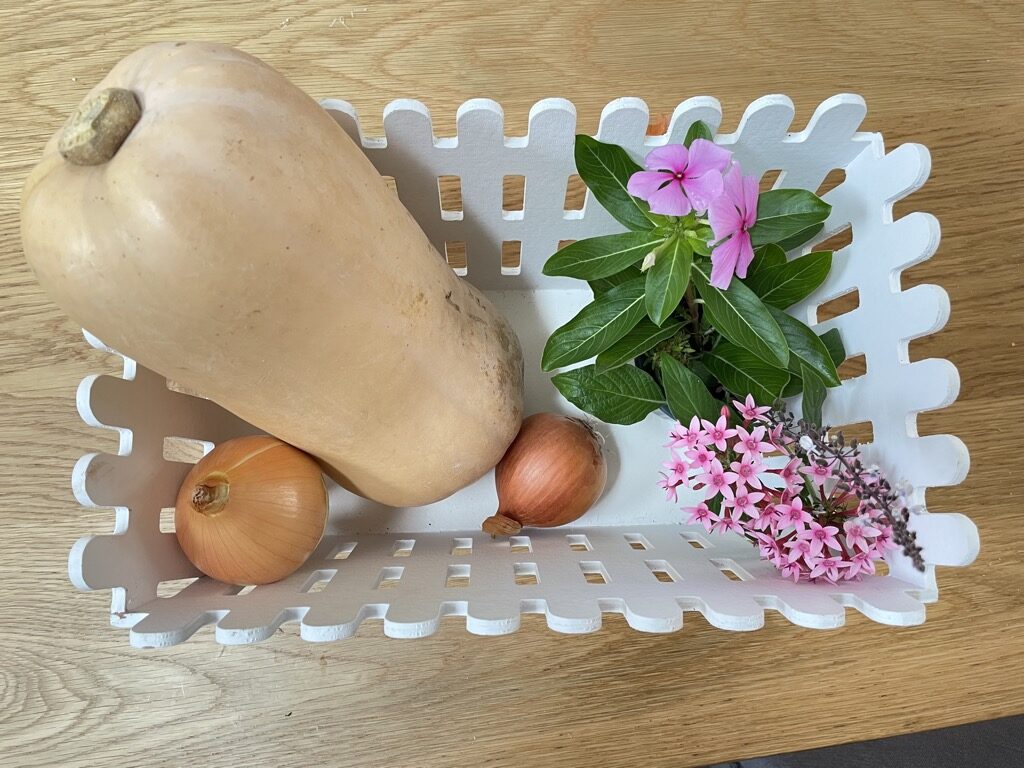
[99,126]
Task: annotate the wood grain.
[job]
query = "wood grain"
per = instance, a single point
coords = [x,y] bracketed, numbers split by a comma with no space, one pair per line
[946,74]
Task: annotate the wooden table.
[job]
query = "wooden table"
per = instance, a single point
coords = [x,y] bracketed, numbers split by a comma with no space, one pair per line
[946,74]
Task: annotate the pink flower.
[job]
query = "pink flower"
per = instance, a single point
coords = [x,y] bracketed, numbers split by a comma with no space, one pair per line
[820,473]
[679,180]
[883,541]
[679,470]
[687,437]
[766,518]
[669,487]
[716,480]
[767,545]
[857,533]
[791,475]
[749,410]
[702,515]
[748,470]
[726,523]
[731,216]
[860,563]
[778,439]
[718,432]
[791,569]
[743,502]
[700,457]
[827,567]
[799,548]
[752,442]
[820,536]
[793,514]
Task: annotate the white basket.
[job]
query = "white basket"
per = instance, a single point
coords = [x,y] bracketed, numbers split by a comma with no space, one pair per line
[628,555]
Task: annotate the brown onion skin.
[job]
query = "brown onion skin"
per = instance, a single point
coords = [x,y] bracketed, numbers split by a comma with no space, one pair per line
[539,483]
[271,517]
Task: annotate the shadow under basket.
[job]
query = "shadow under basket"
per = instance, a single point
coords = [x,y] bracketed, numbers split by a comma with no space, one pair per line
[629,554]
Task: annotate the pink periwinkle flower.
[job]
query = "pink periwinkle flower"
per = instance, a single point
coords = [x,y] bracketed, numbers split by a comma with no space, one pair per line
[883,541]
[679,470]
[791,568]
[748,470]
[768,546]
[718,432]
[717,481]
[679,180]
[753,441]
[732,216]
[820,473]
[827,567]
[820,536]
[799,548]
[793,514]
[790,474]
[862,562]
[749,409]
[725,524]
[767,518]
[744,502]
[669,487]
[700,457]
[701,515]
[687,437]
[858,532]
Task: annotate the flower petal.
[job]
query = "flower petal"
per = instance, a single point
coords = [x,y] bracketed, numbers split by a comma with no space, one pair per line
[707,156]
[723,263]
[671,157]
[670,201]
[749,201]
[723,217]
[703,189]
[746,255]
[643,184]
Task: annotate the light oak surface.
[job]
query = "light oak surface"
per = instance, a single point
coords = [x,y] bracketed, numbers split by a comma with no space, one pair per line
[947,74]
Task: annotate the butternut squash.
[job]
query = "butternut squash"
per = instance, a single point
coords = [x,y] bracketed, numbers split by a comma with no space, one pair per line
[204,216]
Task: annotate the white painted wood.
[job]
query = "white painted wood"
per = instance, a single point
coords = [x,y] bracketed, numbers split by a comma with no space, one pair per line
[140,564]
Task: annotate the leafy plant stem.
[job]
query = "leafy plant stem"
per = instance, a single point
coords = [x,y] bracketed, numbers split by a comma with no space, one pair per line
[691,305]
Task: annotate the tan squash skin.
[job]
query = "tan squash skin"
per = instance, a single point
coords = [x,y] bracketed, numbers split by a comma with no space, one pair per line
[241,244]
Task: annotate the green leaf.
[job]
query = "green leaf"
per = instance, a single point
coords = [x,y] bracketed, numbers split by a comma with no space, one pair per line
[699,130]
[794,388]
[785,285]
[598,257]
[766,257]
[784,213]
[667,280]
[742,318]
[605,169]
[686,393]
[834,344]
[646,335]
[602,285]
[814,396]
[801,237]
[806,350]
[623,395]
[596,327]
[699,246]
[743,373]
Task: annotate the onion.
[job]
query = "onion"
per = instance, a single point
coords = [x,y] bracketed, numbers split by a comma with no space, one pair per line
[552,473]
[251,511]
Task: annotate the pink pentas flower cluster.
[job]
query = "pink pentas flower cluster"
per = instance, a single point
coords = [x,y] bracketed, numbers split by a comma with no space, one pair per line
[704,179]
[801,512]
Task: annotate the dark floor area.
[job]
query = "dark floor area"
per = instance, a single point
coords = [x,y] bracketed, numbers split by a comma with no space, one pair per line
[992,744]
